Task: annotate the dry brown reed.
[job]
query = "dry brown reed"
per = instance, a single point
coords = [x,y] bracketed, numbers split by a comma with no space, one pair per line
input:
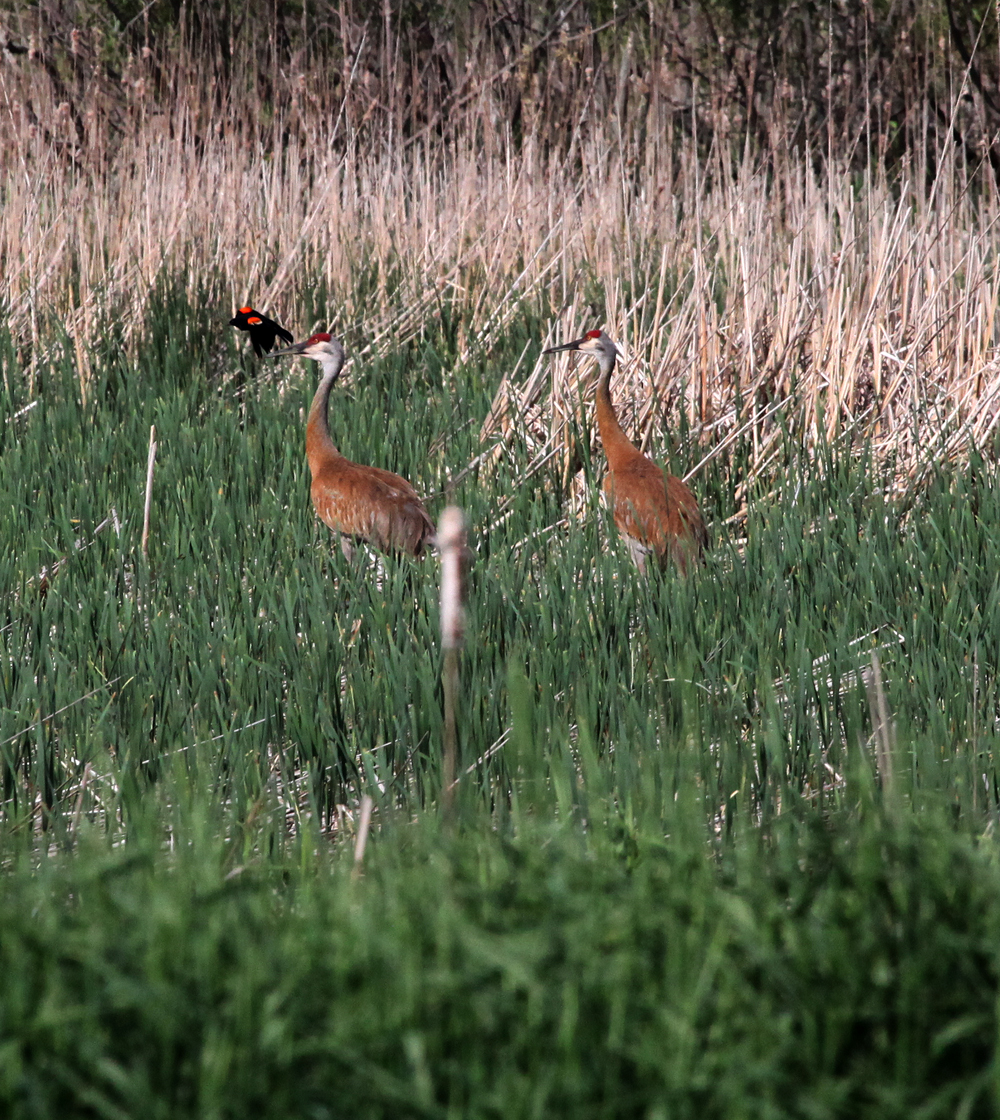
[743,276]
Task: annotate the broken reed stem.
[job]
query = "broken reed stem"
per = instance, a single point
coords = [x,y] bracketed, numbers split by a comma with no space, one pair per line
[885,734]
[149,491]
[451,544]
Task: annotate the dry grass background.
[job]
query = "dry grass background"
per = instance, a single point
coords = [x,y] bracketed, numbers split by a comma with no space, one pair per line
[754,255]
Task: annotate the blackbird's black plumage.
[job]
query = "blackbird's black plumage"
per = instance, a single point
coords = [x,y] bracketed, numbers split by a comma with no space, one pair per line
[262,330]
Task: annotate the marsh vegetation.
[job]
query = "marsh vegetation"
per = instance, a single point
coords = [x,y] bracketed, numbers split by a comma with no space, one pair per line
[721,845]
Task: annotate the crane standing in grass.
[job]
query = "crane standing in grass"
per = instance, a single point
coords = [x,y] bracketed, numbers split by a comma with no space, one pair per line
[360,503]
[655,512]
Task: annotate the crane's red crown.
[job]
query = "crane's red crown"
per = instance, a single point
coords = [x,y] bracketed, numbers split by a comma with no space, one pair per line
[592,334]
[321,337]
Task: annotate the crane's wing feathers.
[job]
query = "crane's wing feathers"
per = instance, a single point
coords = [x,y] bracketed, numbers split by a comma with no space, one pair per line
[656,511]
[373,505]
[394,482]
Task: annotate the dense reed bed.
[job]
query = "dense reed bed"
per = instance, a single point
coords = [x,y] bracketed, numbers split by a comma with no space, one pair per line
[582,171]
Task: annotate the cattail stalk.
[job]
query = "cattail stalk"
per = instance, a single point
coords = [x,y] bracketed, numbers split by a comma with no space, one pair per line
[451,544]
[884,733]
[364,823]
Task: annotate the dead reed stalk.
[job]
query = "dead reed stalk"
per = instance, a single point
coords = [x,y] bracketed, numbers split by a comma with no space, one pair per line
[451,545]
[150,463]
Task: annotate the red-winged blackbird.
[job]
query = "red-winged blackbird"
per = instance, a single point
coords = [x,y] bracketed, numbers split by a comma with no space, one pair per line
[262,331]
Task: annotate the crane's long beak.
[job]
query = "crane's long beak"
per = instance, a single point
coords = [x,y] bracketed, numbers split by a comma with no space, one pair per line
[565,346]
[298,348]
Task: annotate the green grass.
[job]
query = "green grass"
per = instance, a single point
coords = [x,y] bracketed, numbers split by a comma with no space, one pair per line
[673,885]
[837,968]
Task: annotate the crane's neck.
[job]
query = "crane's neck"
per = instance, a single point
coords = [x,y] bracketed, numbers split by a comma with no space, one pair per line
[617,446]
[319,445]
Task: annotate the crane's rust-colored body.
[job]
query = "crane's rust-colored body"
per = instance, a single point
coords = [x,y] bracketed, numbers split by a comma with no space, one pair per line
[654,511]
[358,502]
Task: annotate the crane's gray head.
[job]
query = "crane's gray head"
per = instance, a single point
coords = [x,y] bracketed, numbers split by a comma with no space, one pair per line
[593,342]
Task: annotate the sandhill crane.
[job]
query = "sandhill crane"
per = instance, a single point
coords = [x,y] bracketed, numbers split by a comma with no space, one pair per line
[262,331]
[360,503]
[655,512]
